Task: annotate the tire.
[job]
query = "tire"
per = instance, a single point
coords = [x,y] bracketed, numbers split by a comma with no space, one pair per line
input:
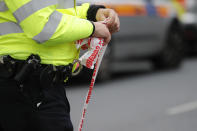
[190,40]
[173,52]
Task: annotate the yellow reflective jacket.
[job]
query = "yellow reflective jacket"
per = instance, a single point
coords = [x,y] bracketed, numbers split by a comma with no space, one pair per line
[38,27]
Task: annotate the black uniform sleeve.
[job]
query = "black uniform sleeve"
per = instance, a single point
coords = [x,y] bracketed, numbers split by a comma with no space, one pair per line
[91,14]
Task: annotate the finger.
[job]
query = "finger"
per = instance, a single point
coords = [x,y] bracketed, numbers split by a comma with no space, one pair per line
[112,31]
[118,23]
[102,17]
[116,26]
[112,17]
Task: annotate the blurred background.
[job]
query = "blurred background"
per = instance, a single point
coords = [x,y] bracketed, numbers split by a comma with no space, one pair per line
[148,77]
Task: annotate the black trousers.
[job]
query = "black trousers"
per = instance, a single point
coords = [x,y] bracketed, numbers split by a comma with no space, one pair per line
[37,106]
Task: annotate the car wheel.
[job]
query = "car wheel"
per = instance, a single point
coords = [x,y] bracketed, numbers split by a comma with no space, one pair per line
[173,52]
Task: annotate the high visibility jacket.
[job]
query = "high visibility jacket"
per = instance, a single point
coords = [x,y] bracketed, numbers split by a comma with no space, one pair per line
[38,27]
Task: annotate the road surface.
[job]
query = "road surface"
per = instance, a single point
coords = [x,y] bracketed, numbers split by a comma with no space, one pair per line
[145,101]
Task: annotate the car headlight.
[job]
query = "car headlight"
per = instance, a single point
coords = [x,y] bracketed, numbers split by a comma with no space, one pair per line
[189,18]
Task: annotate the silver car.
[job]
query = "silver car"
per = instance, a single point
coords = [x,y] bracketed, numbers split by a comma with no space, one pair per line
[150,30]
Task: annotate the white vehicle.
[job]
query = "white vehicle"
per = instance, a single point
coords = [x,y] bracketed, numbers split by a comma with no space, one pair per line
[150,29]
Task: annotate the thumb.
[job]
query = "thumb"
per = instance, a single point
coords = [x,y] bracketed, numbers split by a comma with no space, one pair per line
[100,16]
[103,17]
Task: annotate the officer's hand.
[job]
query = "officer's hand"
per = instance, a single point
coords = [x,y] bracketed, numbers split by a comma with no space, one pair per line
[113,22]
[101,31]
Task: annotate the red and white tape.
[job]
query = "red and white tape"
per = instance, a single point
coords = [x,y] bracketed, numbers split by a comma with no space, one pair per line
[93,56]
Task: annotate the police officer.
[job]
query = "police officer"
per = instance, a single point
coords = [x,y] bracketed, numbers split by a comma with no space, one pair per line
[37,50]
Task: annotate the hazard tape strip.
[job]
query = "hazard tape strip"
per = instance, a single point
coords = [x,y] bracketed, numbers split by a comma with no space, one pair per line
[89,94]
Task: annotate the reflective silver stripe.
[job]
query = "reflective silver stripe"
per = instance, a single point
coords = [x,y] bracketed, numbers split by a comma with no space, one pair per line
[9,27]
[50,27]
[31,7]
[3,6]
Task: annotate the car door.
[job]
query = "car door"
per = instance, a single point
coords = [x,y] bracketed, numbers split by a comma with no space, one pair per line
[138,36]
